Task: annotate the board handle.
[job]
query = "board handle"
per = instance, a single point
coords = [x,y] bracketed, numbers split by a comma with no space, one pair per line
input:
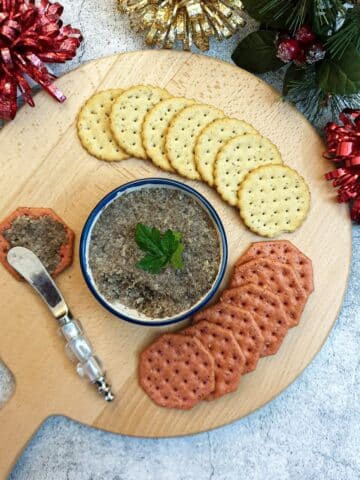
[19,420]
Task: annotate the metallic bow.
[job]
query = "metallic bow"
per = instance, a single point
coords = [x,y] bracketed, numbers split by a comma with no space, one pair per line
[187,21]
[31,34]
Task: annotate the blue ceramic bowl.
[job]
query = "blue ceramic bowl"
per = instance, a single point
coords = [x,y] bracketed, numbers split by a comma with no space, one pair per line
[124,312]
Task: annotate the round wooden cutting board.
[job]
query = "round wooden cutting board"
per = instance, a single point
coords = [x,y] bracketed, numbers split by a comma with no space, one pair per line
[44,165]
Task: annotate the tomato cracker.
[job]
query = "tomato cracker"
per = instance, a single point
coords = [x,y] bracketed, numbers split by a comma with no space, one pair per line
[228,357]
[243,327]
[43,232]
[177,371]
[285,252]
[266,310]
[279,278]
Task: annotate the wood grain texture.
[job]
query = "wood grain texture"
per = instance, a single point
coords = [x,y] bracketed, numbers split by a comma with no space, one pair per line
[44,165]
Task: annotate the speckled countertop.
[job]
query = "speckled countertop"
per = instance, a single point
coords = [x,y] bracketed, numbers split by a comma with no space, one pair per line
[310,432]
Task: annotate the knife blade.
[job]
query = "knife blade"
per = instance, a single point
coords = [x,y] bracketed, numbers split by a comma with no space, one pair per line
[78,347]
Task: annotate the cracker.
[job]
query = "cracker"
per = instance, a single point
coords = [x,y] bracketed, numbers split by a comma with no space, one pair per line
[285,252]
[177,371]
[235,160]
[273,199]
[66,249]
[280,278]
[243,327]
[181,137]
[266,310]
[128,113]
[228,357]
[212,138]
[93,127]
[155,127]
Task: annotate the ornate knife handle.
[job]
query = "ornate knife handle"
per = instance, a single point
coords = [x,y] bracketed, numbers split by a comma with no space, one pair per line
[79,349]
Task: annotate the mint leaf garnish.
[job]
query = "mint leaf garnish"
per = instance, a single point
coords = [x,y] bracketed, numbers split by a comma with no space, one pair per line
[152,264]
[176,259]
[148,239]
[161,249]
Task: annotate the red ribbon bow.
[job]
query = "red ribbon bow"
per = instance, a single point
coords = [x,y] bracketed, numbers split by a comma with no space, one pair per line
[343,147]
[31,34]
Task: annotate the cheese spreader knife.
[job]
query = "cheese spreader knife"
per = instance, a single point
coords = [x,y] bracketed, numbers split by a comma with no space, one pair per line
[78,347]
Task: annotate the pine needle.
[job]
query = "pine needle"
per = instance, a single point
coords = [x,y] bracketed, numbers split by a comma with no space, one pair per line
[323,12]
[348,34]
[276,8]
[299,13]
[311,100]
[326,12]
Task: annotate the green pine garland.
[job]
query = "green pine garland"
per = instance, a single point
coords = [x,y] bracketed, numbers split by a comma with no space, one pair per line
[348,34]
[311,99]
[295,14]
[333,82]
[325,13]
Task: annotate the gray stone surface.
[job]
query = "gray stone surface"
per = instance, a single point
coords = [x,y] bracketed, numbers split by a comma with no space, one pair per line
[310,432]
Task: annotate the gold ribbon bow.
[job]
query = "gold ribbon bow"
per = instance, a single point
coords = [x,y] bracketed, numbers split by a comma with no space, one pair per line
[186,21]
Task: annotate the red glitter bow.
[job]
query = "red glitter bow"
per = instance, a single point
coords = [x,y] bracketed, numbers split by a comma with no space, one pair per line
[343,147]
[31,34]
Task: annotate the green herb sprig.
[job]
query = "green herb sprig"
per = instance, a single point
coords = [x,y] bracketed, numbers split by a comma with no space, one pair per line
[161,249]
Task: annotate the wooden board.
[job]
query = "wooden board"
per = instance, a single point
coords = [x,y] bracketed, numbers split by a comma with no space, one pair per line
[43,164]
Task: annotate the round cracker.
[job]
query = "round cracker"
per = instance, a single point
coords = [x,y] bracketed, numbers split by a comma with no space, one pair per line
[212,138]
[128,113]
[181,137]
[273,199]
[177,371]
[93,127]
[235,160]
[155,127]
